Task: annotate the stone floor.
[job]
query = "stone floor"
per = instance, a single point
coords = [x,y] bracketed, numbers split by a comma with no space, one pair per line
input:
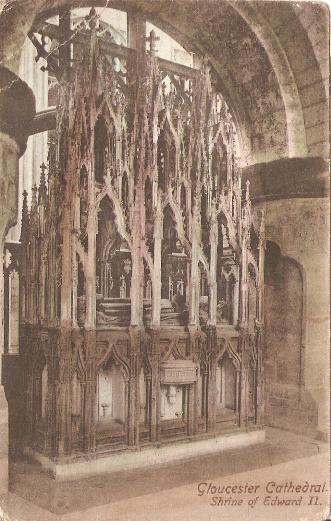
[170,492]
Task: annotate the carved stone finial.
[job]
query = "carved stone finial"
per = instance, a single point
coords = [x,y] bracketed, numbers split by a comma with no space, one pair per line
[205,67]
[164,88]
[34,198]
[25,202]
[92,18]
[152,39]
[42,185]
[43,169]
[25,216]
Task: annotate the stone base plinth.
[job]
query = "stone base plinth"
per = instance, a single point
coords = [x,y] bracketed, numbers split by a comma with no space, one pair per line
[89,465]
[3,442]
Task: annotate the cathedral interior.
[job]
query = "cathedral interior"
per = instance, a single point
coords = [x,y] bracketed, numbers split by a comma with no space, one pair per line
[164,227]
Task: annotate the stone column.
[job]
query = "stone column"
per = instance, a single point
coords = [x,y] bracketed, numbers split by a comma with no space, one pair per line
[17,108]
[213,268]
[194,278]
[155,384]
[156,275]
[133,416]
[243,334]
[63,393]
[42,287]
[211,385]
[260,327]
[244,349]
[191,393]
[90,391]
[90,269]
[136,32]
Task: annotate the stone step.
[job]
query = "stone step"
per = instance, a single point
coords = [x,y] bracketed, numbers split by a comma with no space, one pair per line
[116,299]
[166,306]
[165,302]
[117,314]
[118,306]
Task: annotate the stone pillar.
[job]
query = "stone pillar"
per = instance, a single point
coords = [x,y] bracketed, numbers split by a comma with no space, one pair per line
[156,276]
[211,385]
[260,375]
[155,384]
[17,108]
[244,349]
[90,271]
[192,388]
[90,392]
[137,277]
[136,32]
[260,328]
[194,278]
[42,287]
[244,334]
[213,267]
[51,404]
[74,289]
[191,392]
[66,282]
[133,412]
[63,393]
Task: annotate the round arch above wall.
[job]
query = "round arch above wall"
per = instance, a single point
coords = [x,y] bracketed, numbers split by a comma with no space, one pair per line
[257,68]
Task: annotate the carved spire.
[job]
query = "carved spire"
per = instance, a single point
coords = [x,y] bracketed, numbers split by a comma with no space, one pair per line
[152,39]
[33,229]
[34,201]
[92,19]
[25,217]
[42,186]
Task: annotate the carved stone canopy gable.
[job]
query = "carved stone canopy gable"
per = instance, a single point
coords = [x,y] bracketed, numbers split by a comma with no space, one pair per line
[114,355]
[228,348]
[175,349]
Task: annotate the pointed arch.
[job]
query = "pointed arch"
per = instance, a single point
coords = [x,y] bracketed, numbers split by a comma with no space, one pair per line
[112,355]
[107,191]
[173,350]
[178,220]
[233,355]
[170,127]
[252,265]
[224,216]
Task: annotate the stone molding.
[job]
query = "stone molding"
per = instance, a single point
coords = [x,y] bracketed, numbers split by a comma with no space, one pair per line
[17,108]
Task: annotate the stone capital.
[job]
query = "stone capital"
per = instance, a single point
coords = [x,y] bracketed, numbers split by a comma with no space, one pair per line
[288,178]
[17,108]
[8,183]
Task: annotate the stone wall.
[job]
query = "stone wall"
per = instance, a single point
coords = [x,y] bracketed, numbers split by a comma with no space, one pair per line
[300,228]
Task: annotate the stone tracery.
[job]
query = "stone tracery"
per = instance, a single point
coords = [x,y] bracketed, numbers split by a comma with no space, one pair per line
[141,245]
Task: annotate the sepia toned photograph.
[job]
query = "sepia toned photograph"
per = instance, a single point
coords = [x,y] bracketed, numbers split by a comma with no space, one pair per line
[164,269]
